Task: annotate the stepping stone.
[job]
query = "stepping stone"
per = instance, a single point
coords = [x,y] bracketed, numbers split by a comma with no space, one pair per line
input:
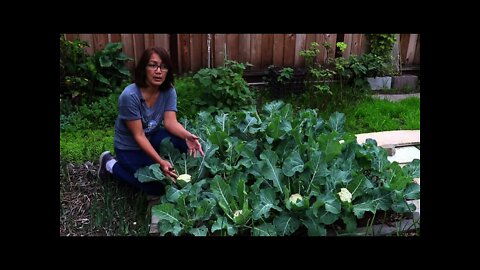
[394,137]
[154,225]
[405,154]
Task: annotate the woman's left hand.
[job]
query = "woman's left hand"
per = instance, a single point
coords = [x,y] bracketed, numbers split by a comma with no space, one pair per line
[194,145]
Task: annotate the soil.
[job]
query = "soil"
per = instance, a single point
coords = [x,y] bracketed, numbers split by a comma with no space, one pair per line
[387,218]
[83,204]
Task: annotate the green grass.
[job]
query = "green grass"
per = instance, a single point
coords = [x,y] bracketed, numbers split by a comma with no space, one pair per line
[84,145]
[373,115]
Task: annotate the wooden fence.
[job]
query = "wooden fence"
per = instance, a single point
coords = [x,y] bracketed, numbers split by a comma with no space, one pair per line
[191,52]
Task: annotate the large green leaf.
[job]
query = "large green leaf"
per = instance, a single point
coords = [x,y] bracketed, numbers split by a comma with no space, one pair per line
[318,169]
[222,194]
[326,217]
[165,227]
[206,160]
[113,47]
[331,202]
[263,203]
[350,222]
[182,207]
[395,179]
[359,185]
[329,146]
[166,212]
[249,150]
[200,231]
[412,192]
[293,163]
[265,229]
[269,169]
[338,177]
[157,172]
[205,209]
[380,161]
[313,225]
[218,137]
[222,121]
[285,224]
[105,61]
[273,107]
[241,191]
[248,124]
[124,70]
[285,147]
[413,168]
[274,129]
[172,193]
[145,174]
[336,122]
[102,79]
[222,224]
[361,208]
[122,57]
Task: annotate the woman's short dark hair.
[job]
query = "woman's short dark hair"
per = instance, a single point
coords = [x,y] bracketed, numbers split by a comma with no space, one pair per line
[140,77]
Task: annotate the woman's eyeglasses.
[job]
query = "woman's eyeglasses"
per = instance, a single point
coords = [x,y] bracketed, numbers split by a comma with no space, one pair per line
[154,67]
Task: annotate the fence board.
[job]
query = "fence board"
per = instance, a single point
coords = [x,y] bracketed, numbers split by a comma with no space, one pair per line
[289,51]
[412,44]
[256,51]
[196,52]
[416,59]
[100,41]
[220,46]
[149,40]
[321,56]
[278,46]
[299,46]
[138,46]
[364,47]
[356,48]
[204,50]
[115,38]
[348,39]
[127,49]
[308,41]
[183,53]
[267,50]
[71,37]
[245,48]
[404,40]
[232,46]
[332,39]
[162,40]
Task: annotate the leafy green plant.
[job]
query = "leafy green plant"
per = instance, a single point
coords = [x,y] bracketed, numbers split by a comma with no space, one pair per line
[224,87]
[381,45]
[255,161]
[317,77]
[84,77]
[99,114]
[278,81]
[189,97]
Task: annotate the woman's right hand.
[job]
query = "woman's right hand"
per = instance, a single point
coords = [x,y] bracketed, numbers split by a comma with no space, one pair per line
[168,170]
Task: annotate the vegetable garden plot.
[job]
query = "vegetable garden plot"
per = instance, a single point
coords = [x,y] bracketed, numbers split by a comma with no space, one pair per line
[278,172]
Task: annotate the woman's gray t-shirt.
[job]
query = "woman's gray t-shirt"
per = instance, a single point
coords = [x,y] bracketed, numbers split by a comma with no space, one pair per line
[132,106]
